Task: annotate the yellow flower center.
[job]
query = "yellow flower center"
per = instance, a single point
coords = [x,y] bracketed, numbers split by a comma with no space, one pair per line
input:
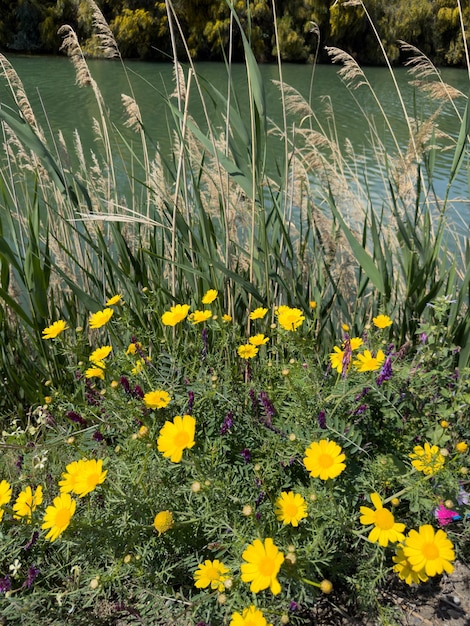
[212,573]
[62,518]
[181,439]
[325,461]
[290,510]
[92,479]
[384,519]
[430,551]
[266,566]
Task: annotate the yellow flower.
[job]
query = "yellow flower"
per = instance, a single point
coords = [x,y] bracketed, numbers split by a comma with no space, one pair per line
[163,521]
[53,331]
[200,316]
[427,459]
[226,317]
[429,551]
[404,570]
[90,477]
[139,365]
[114,300]
[385,528]
[312,304]
[99,354]
[382,321]
[175,315]
[97,371]
[176,436]
[250,617]
[69,478]
[258,340]
[100,318]
[247,351]
[461,447]
[209,296]
[157,399]
[258,313]
[132,348]
[27,502]
[355,342]
[263,562]
[336,359]
[324,459]
[289,318]
[367,363]
[58,515]
[5,495]
[290,508]
[211,573]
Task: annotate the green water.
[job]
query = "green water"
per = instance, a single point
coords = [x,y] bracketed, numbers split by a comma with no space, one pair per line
[60,104]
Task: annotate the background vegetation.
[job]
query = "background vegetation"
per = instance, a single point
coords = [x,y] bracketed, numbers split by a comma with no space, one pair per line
[141,27]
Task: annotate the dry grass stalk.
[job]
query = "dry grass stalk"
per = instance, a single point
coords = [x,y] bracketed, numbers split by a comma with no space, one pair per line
[350,72]
[134,118]
[72,49]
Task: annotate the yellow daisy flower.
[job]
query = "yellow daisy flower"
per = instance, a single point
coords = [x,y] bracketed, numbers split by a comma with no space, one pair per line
[336,359]
[385,528]
[324,459]
[226,318]
[461,447]
[69,478]
[290,508]
[157,399]
[101,318]
[427,459]
[132,348]
[114,300]
[263,562]
[211,574]
[176,436]
[27,502]
[382,321]
[209,296]
[163,521]
[404,570]
[5,496]
[367,363]
[99,354]
[258,313]
[54,330]
[429,551]
[200,316]
[247,351]
[250,617]
[289,318]
[97,371]
[258,340]
[58,515]
[175,315]
[90,477]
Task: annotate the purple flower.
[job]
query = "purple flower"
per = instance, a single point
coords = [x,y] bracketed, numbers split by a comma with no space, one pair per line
[97,436]
[463,496]
[254,402]
[205,344]
[32,573]
[322,419]
[137,392]
[227,423]
[360,409]
[293,606]
[189,410]
[32,541]
[423,337]
[19,462]
[260,498]
[386,371]
[5,584]
[268,407]
[73,416]
[246,454]
[125,383]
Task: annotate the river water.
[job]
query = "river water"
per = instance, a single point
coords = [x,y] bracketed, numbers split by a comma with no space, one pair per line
[60,104]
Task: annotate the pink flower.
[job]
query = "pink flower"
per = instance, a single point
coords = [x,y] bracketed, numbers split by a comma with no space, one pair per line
[445,516]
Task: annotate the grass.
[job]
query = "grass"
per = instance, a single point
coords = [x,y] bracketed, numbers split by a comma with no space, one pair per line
[211,217]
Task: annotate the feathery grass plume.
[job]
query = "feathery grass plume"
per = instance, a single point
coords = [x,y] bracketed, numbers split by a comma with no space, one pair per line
[134,118]
[108,43]
[72,49]
[351,72]
[19,94]
[422,68]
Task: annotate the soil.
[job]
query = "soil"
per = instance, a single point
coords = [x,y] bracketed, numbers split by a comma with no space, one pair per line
[444,601]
